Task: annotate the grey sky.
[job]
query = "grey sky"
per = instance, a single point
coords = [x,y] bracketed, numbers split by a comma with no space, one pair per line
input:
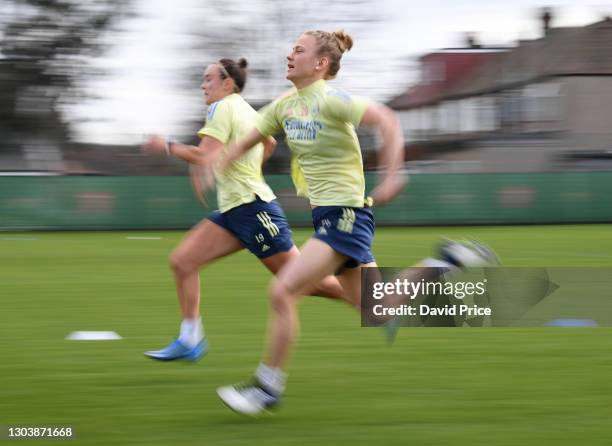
[140,98]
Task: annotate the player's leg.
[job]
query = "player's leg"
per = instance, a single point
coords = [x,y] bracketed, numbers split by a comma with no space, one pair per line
[203,244]
[328,287]
[317,260]
[342,238]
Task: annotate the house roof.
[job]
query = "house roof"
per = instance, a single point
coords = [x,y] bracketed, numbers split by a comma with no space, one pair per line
[440,71]
[562,51]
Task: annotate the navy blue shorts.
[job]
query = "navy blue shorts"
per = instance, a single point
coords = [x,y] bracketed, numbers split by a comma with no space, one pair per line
[347,230]
[261,227]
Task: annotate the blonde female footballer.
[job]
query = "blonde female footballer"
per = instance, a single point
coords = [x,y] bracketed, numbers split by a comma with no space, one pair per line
[319,123]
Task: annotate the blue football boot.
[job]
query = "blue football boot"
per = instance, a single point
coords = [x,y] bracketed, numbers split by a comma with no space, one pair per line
[177,350]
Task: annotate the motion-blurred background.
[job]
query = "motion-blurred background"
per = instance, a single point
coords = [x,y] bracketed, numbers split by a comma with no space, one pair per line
[505,108]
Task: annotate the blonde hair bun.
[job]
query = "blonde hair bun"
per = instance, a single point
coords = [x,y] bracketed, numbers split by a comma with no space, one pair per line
[345,41]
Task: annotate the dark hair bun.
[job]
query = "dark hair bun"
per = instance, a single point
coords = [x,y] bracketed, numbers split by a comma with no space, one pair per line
[242,63]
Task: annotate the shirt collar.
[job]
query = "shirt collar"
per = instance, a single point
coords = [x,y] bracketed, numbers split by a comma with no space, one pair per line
[312,87]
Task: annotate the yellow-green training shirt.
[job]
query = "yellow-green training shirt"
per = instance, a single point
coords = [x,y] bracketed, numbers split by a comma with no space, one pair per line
[228,121]
[319,123]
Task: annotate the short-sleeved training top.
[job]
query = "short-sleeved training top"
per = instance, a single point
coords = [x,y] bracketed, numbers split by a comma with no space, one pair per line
[228,121]
[319,123]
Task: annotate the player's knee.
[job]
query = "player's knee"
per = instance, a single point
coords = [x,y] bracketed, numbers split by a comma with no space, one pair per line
[179,264]
[279,297]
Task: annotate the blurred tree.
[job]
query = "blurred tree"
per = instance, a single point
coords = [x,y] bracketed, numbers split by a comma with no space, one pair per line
[44,52]
[263,31]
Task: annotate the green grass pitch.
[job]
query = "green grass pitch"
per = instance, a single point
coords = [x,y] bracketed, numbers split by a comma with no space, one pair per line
[504,386]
